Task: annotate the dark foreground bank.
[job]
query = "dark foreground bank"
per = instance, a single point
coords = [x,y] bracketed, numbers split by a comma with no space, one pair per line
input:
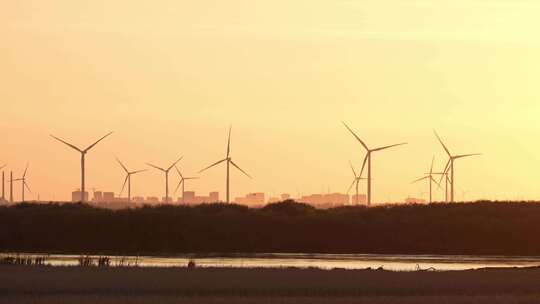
[21,284]
[481,228]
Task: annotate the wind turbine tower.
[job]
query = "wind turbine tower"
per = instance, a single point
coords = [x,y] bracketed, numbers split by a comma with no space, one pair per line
[3,184]
[23,183]
[450,165]
[367,159]
[183,183]
[83,154]
[166,172]
[430,179]
[229,161]
[355,182]
[128,178]
[11,186]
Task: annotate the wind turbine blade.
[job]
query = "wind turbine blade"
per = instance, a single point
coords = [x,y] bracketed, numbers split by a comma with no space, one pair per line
[446,167]
[179,173]
[138,171]
[92,145]
[159,168]
[191,177]
[178,186]
[66,143]
[440,140]
[124,167]
[174,164]
[350,187]
[356,136]
[364,164]
[240,169]
[466,155]
[124,185]
[25,170]
[214,164]
[229,142]
[431,168]
[387,147]
[18,179]
[352,168]
[433,180]
[2,167]
[420,179]
[27,188]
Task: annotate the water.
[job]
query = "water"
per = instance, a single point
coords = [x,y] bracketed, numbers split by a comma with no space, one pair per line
[323,261]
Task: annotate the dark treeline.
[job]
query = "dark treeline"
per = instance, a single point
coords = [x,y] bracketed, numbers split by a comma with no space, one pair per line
[495,228]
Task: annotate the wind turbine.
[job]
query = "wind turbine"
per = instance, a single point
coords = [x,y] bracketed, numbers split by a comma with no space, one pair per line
[368,159]
[229,162]
[429,177]
[3,184]
[128,178]
[11,186]
[355,182]
[166,171]
[182,182]
[450,165]
[24,184]
[447,181]
[83,154]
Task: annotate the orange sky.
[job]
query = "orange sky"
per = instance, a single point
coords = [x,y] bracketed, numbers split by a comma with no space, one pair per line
[170,76]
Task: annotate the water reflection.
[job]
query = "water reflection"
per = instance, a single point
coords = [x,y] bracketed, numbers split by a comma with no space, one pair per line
[324,261]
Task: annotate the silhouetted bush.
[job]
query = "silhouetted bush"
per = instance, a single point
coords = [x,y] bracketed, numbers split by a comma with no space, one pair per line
[511,228]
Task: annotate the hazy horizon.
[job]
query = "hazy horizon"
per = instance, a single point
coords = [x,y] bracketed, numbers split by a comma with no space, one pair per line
[169,77]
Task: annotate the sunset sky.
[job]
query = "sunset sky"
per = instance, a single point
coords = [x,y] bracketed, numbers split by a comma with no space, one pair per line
[169,77]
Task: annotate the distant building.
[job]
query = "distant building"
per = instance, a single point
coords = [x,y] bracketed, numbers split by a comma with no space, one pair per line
[213,197]
[362,199]
[76,196]
[285,196]
[256,198]
[191,198]
[325,200]
[98,196]
[152,200]
[138,199]
[274,199]
[108,197]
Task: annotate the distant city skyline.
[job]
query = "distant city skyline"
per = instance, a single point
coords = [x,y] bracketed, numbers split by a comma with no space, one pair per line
[170,83]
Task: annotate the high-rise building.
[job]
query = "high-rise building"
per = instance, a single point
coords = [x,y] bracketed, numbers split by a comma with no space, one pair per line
[325,200]
[251,199]
[76,196]
[213,197]
[192,198]
[108,197]
[98,196]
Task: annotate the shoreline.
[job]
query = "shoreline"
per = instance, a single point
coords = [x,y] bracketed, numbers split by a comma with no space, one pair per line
[278,260]
[23,284]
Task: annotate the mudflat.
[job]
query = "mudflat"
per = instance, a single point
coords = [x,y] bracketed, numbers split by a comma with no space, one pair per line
[35,284]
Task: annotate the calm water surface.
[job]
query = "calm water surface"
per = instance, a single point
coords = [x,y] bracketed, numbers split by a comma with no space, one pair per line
[324,261]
